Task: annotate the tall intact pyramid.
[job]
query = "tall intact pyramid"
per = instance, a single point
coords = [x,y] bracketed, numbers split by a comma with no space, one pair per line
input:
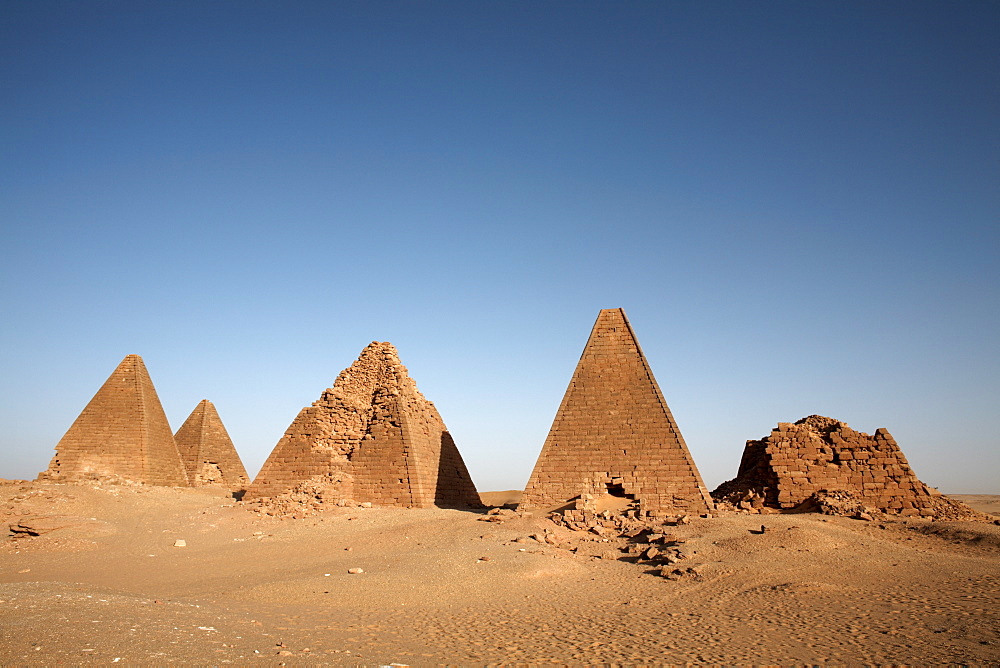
[207,451]
[122,434]
[614,434]
[375,438]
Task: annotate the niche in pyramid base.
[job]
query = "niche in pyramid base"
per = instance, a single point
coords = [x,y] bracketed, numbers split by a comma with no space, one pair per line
[207,451]
[820,458]
[371,438]
[122,435]
[614,444]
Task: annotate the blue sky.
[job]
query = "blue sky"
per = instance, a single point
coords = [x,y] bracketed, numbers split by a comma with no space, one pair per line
[796,204]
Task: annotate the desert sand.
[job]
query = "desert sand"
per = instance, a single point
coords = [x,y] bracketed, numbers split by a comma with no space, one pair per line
[104,583]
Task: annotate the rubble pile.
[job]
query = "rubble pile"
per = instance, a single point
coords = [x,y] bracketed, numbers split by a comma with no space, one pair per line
[305,499]
[821,463]
[628,536]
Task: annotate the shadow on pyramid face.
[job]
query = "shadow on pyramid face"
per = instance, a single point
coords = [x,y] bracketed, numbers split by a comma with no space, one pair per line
[454,487]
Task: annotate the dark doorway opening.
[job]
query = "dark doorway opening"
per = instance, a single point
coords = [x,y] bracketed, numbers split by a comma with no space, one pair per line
[618,491]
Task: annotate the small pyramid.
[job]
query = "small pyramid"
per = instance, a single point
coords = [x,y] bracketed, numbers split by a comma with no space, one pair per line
[207,451]
[614,435]
[375,438]
[123,434]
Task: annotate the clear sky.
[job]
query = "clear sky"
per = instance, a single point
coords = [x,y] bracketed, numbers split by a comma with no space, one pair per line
[796,203]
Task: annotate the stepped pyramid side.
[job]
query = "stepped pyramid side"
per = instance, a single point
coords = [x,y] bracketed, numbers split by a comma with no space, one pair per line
[375,438]
[207,451]
[816,454]
[614,434]
[122,433]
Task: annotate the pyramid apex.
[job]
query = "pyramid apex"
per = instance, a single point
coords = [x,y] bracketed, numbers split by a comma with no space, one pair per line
[612,314]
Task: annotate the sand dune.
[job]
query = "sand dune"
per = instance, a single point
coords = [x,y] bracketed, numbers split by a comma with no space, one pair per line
[105,584]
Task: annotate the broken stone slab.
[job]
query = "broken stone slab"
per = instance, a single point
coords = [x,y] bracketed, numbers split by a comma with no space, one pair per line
[43,524]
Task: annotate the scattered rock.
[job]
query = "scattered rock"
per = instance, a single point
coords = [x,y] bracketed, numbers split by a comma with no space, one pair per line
[355,571]
[180,542]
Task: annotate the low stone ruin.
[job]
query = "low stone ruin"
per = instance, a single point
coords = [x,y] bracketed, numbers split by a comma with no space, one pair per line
[820,463]
[371,438]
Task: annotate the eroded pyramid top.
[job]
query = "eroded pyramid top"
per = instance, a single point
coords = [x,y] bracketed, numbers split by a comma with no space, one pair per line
[374,437]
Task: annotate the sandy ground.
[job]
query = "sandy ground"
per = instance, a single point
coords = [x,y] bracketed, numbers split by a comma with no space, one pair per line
[444,587]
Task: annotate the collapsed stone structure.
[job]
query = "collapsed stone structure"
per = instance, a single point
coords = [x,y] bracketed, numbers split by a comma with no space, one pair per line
[207,451]
[801,464]
[614,436]
[122,434]
[371,438]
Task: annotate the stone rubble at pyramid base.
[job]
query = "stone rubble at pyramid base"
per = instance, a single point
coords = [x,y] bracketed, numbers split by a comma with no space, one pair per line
[306,499]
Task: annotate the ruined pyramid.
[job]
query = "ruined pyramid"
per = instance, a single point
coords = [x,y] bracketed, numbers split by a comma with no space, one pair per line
[122,434]
[614,434]
[819,454]
[207,451]
[374,438]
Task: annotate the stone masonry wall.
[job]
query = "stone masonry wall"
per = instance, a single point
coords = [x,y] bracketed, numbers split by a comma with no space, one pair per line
[375,437]
[122,433]
[614,432]
[207,451]
[818,453]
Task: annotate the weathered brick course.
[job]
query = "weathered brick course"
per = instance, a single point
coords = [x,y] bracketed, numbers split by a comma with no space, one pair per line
[207,451]
[375,438]
[614,431]
[122,434]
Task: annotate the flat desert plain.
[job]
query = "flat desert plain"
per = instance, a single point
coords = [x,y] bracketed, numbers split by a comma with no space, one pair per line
[104,583]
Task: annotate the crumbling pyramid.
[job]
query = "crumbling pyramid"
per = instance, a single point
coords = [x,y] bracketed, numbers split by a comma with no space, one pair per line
[373,437]
[122,434]
[819,454]
[207,451]
[614,434]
